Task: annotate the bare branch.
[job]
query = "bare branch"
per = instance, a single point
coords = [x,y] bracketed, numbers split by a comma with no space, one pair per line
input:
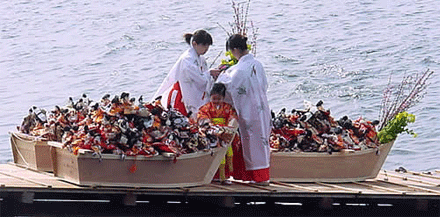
[409,92]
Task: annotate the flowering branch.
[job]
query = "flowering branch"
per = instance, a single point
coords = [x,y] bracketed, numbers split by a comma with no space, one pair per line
[239,26]
[253,41]
[399,99]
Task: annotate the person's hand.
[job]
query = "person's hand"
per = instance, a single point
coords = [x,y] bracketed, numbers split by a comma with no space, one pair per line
[214,73]
[223,67]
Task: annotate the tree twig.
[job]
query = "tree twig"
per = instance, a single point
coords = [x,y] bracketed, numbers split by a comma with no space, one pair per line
[215,59]
[409,92]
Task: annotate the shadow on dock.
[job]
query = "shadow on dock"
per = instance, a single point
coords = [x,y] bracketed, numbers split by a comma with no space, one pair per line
[220,206]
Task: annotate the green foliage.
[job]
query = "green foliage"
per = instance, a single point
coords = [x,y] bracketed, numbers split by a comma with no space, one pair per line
[396,126]
[232,60]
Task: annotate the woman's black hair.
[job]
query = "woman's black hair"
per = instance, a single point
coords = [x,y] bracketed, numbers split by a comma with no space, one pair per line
[218,88]
[200,37]
[237,41]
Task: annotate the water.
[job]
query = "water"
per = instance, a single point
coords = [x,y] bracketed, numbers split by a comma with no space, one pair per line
[340,52]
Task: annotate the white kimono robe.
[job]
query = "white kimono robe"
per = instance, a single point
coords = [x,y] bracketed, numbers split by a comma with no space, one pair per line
[191,71]
[246,87]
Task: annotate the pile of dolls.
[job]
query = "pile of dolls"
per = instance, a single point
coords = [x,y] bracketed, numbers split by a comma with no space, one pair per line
[313,129]
[119,125]
[129,127]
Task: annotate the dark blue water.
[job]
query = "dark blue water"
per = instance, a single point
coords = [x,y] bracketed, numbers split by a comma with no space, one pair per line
[341,52]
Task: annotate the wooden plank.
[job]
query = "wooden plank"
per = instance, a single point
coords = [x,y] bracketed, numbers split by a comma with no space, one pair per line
[26,179]
[340,187]
[413,183]
[254,186]
[31,169]
[407,178]
[238,186]
[413,187]
[295,186]
[363,189]
[284,187]
[321,188]
[139,190]
[431,176]
[13,176]
[33,178]
[380,187]
[399,181]
[223,187]
[10,182]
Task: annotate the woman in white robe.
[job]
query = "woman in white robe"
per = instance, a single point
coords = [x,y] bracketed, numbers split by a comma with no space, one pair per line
[189,81]
[246,86]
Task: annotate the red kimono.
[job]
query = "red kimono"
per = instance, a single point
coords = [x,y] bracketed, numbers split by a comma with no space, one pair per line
[221,115]
[234,165]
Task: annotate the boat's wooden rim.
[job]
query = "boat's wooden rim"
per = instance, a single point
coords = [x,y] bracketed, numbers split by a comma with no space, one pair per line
[345,152]
[85,153]
[23,136]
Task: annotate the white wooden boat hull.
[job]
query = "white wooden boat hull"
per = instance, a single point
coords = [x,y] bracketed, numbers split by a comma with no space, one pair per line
[31,152]
[152,172]
[348,166]
[189,169]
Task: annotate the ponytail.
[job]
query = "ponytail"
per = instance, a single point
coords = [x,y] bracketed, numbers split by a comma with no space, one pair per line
[187,37]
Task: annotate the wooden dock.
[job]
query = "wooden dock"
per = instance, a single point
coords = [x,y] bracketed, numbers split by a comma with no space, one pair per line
[27,192]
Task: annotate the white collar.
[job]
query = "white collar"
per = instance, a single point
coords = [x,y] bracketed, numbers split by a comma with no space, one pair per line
[193,51]
[246,57]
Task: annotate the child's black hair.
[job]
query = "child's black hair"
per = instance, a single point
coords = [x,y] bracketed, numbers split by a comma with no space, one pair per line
[218,88]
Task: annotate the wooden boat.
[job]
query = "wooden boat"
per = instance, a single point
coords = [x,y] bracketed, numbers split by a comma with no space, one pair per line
[31,152]
[344,166]
[136,171]
[189,169]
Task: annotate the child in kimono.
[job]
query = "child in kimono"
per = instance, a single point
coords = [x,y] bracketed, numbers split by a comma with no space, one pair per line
[217,112]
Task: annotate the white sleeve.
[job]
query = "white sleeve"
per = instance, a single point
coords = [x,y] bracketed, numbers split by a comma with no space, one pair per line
[194,75]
